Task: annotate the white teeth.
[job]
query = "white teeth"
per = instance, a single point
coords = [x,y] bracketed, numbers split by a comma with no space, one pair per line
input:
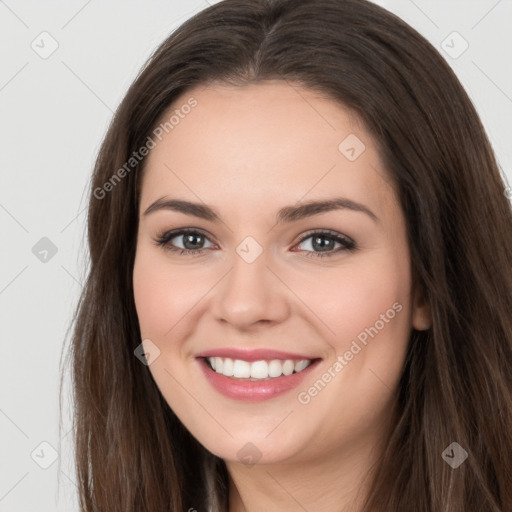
[241,369]
[257,369]
[227,369]
[288,367]
[301,365]
[275,368]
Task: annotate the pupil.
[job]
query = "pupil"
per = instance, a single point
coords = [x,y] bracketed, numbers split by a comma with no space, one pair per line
[188,238]
[322,246]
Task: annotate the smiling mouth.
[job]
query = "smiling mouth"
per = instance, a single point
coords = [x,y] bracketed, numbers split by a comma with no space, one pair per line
[261,370]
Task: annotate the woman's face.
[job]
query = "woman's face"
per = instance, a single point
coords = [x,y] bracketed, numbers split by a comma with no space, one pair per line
[270,279]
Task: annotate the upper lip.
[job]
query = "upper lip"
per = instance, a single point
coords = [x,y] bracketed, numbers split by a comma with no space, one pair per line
[253,355]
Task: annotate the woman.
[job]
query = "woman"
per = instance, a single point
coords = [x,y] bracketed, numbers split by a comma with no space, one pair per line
[300,287]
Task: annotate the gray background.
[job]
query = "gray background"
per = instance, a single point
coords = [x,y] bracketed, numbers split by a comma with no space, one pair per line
[54,113]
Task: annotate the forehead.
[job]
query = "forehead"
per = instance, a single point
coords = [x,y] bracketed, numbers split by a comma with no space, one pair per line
[263,143]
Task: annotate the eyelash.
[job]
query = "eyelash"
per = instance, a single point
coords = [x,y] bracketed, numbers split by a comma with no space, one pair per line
[348,245]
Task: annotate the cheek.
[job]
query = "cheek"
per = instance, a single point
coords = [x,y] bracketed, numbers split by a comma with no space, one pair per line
[368,309]
[373,300]
[354,299]
[150,296]
[158,305]
[378,325]
[372,347]
[163,295]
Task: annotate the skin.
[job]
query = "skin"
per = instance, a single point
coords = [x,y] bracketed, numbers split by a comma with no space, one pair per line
[247,152]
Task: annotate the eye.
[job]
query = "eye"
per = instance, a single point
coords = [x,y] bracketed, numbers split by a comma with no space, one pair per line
[191,240]
[317,248]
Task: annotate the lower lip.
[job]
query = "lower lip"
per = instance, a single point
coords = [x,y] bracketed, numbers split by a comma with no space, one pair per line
[254,391]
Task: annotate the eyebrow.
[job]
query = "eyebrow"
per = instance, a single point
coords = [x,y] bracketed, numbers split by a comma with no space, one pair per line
[286,214]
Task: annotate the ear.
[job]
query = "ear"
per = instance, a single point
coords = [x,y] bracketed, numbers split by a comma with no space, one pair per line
[421,312]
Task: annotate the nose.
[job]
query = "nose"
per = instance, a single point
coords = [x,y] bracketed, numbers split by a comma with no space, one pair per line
[251,294]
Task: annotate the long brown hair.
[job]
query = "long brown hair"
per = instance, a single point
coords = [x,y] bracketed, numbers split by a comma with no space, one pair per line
[132,453]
